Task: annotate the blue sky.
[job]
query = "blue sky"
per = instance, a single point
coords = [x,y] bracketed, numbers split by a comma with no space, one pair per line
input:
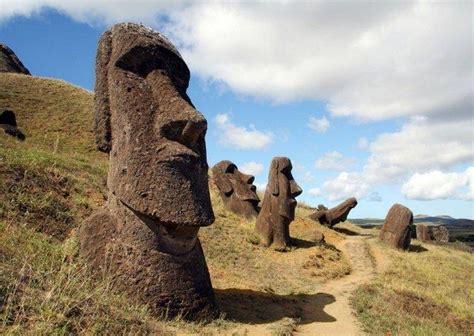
[367,100]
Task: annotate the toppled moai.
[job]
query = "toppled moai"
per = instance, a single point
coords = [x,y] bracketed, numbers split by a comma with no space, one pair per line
[279,204]
[9,62]
[9,125]
[236,189]
[334,215]
[146,236]
[396,230]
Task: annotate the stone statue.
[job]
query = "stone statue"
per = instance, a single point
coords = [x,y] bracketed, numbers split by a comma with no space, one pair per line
[396,230]
[9,126]
[146,237]
[236,189]
[279,204]
[430,233]
[9,62]
[334,215]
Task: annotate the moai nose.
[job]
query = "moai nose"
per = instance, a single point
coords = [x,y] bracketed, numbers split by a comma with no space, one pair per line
[193,130]
[295,189]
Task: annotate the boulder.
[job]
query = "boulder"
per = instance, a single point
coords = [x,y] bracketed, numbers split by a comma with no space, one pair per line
[397,227]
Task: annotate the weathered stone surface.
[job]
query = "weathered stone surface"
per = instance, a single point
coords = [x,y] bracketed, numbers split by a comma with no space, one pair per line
[279,204]
[440,234]
[9,62]
[424,232]
[146,237]
[316,237]
[397,227]
[236,189]
[334,215]
[9,125]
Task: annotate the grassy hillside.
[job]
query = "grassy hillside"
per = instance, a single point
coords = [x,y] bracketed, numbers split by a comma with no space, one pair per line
[53,180]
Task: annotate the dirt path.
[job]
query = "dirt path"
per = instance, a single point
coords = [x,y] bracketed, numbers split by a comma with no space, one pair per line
[332,311]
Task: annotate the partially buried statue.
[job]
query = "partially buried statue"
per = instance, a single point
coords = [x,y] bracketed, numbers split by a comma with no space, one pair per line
[333,216]
[146,237]
[279,204]
[236,189]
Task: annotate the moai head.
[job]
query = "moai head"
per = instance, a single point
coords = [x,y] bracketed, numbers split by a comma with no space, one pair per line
[282,187]
[154,134]
[236,189]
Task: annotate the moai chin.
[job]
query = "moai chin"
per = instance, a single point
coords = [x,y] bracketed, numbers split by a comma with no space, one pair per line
[146,237]
[236,189]
[279,204]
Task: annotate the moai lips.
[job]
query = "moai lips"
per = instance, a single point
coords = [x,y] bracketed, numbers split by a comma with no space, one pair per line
[236,189]
[279,204]
[147,234]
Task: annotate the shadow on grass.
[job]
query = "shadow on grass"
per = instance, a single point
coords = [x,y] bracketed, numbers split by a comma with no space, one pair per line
[417,248]
[349,232]
[301,243]
[247,306]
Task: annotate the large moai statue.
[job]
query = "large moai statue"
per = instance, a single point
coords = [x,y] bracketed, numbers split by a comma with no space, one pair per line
[333,216]
[146,236]
[279,204]
[236,189]
[396,231]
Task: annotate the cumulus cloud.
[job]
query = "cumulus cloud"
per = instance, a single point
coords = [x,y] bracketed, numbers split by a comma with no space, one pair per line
[314,192]
[241,137]
[260,186]
[320,125]
[251,168]
[302,173]
[334,161]
[439,185]
[405,57]
[345,185]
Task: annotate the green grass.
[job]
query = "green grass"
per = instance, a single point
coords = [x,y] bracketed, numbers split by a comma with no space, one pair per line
[425,293]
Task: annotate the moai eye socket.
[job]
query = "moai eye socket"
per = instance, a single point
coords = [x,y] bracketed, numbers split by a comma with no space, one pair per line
[231,169]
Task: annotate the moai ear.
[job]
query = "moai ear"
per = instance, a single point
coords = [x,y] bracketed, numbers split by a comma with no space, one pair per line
[273,180]
[102,127]
[223,184]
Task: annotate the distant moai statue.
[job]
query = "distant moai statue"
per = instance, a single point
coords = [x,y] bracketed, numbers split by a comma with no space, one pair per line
[430,233]
[397,227]
[236,189]
[333,216]
[9,125]
[279,204]
[146,236]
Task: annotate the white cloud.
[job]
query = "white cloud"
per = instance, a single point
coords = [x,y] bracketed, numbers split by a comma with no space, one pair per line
[241,137]
[344,186]
[251,168]
[319,125]
[362,143]
[374,196]
[420,145]
[334,161]
[314,192]
[301,173]
[439,185]
[374,62]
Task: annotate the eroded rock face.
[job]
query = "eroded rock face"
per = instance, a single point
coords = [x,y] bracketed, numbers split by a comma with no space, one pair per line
[146,237]
[334,215]
[279,204]
[440,234]
[9,125]
[9,62]
[236,189]
[396,230]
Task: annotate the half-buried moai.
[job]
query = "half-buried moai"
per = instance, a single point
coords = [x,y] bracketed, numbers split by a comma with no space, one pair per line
[236,189]
[430,233]
[279,204]
[396,231]
[9,125]
[146,236]
[333,216]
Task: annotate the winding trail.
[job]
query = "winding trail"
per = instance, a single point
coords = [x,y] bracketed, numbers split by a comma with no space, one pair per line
[332,311]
